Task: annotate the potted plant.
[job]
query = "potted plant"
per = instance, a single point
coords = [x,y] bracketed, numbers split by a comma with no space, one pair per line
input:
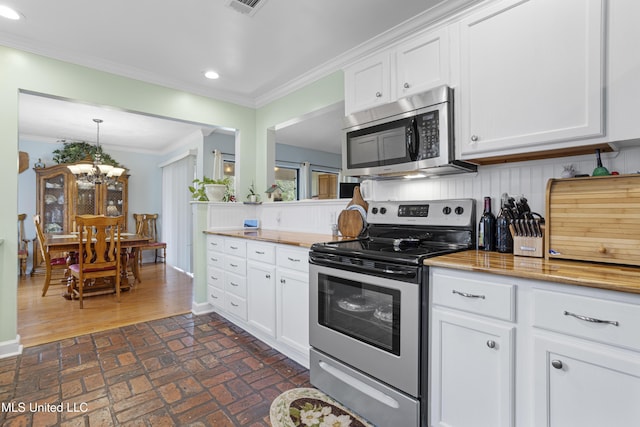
[253,197]
[208,189]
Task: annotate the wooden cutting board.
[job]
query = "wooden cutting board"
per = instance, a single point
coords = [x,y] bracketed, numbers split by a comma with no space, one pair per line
[351,222]
[594,219]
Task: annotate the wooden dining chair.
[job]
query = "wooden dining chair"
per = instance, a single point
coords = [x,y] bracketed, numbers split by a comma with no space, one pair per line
[56,262]
[98,252]
[147,226]
[23,246]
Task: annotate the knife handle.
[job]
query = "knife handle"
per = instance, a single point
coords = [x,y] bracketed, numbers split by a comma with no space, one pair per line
[512,229]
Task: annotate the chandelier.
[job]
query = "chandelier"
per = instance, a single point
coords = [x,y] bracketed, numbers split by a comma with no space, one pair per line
[96,172]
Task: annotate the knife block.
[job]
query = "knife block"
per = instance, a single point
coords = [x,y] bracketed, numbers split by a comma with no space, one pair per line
[529,246]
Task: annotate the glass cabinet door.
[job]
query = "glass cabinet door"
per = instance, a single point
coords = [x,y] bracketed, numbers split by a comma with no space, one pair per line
[53,204]
[113,201]
[85,198]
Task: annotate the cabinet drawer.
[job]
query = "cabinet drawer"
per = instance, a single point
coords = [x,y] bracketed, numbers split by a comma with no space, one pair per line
[261,252]
[605,321]
[236,306]
[215,277]
[235,247]
[215,243]
[215,296]
[235,284]
[475,296]
[295,259]
[215,259]
[235,265]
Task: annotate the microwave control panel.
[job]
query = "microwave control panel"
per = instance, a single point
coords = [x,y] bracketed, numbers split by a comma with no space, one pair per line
[429,135]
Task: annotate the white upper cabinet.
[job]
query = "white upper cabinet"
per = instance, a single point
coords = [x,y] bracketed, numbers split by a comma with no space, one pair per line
[531,77]
[417,64]
[422,63]
[368,83]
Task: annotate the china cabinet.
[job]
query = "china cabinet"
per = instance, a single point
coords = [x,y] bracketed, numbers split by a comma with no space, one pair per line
[60,197]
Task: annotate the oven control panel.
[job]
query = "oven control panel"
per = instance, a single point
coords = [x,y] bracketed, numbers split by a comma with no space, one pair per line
[450,212]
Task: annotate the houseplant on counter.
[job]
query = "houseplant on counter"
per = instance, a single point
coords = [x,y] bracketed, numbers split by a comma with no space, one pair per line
[213,190]
[253,197]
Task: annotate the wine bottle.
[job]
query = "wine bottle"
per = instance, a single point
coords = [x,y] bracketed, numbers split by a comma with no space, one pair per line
[504,240]
[487,228]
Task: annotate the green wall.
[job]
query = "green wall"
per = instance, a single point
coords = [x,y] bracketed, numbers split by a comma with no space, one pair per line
[25,71]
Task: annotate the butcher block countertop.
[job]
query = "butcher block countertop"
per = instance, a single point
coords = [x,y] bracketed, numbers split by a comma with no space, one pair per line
[595,275]
[304,240]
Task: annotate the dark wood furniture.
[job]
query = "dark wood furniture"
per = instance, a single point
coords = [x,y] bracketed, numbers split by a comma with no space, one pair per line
[60,197]
[147,225]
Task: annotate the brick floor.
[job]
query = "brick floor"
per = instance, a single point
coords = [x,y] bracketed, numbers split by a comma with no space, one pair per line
[180,371]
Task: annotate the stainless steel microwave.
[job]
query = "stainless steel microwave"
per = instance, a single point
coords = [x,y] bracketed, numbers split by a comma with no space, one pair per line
[410,135]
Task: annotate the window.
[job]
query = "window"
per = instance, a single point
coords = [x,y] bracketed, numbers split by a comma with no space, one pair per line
[287,180]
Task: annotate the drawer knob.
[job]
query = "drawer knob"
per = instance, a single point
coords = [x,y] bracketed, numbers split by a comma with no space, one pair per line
[406,85]
[268,276]
[491,344]
[474,138]
[283,281]
[591,319]
[557,364]
[378,94]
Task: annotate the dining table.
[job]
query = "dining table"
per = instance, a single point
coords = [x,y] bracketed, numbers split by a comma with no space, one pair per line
[130,244]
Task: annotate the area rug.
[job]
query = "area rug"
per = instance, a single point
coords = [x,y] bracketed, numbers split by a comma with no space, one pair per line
[308,407]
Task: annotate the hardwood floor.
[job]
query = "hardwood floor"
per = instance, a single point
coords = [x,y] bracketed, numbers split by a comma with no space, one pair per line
[163,292]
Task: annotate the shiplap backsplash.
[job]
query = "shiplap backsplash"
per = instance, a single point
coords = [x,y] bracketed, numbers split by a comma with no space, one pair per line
[522,178]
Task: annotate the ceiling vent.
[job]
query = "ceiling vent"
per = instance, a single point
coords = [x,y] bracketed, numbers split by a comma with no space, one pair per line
[246,7]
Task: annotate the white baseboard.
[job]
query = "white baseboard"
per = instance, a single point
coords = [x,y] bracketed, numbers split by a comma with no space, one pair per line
[201,308]
[10,348]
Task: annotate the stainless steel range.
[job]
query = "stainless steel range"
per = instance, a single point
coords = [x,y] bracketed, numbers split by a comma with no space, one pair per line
[369,307]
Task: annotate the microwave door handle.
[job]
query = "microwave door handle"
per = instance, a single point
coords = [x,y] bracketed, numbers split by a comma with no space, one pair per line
[412,140]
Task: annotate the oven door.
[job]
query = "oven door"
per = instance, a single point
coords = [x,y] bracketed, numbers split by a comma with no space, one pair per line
[370,323]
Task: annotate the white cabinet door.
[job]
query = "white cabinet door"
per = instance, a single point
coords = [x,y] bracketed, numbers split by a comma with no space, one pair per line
[472,371]
[422,63]
[293,310]
[368,83]
[584,384]
[261,297]
[531,76]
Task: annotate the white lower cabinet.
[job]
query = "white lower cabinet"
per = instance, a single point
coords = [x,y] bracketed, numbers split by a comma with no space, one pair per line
[585,384]
[263,288]
[560,356]
[262,297]
[293,310]
[472,356]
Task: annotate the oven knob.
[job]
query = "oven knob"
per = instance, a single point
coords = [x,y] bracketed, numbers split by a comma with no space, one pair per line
[446,210]
[374,210]
[383,211]
[459,210]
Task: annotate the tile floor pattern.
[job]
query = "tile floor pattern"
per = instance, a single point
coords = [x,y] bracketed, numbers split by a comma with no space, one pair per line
[181,371]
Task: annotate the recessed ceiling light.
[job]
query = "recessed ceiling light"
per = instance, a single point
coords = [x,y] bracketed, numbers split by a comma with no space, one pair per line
[211,75]
[7,12]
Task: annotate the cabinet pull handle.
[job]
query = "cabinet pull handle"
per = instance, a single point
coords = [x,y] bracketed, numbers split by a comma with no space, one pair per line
[233,265]
[474,138]
[406,85]
[233,284]
[491,344]
[466,295]
[557,364]
[378,94]
[591,319]
[268,276]
[233,304]
[260,252]
[293,259]
[213,296]
[214,277]
[283,281]
[214,259]
[233,247]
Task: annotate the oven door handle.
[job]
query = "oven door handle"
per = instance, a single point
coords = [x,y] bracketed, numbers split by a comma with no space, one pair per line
[326,260]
